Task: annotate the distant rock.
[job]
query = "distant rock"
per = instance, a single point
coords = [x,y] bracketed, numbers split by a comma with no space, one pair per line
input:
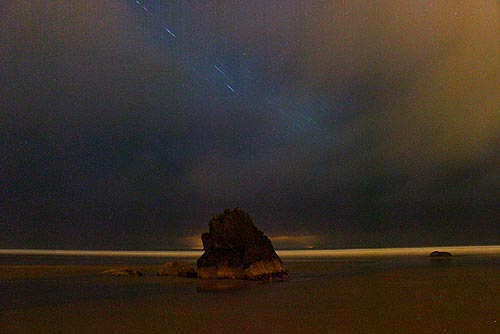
[177,269]
[123,272]
[440,254]
[236,249]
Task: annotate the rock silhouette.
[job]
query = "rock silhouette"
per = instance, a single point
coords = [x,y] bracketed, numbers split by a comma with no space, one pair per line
[440,254]
[235,248]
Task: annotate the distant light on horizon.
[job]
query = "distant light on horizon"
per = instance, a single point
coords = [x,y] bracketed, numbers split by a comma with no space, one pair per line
[294,241]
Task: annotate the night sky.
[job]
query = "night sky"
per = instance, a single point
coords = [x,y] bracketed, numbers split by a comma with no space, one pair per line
[128,124]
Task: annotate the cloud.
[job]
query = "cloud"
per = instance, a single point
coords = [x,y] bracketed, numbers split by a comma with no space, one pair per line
[432,71]
[363,113]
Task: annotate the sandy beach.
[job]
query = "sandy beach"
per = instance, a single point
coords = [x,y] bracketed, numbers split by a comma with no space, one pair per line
[341,296]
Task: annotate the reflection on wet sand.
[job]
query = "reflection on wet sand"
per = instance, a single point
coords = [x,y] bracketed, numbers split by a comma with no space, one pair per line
[218,285]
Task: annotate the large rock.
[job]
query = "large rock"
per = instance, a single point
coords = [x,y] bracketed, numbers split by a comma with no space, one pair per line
[235,248]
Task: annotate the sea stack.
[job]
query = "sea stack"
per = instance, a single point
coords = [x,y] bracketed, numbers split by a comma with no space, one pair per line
[236,249]
[440,254]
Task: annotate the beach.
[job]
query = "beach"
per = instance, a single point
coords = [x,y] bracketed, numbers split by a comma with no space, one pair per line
[323,295]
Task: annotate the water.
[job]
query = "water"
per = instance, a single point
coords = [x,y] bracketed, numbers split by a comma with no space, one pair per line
[355,291]
[304,265]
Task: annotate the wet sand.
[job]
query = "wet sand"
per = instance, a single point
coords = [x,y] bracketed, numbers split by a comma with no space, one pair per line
[328,296]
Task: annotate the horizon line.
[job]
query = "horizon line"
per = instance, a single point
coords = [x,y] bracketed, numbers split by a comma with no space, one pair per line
[285,253]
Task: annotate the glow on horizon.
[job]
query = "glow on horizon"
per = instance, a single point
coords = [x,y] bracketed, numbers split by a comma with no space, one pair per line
[279,241]
[286,254]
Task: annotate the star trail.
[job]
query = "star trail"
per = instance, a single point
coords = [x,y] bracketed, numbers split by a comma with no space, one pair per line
[297,117]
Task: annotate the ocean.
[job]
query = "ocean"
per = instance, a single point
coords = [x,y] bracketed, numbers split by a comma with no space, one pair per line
[330,291]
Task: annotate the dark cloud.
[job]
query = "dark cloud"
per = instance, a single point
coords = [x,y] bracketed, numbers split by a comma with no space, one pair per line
[343,124]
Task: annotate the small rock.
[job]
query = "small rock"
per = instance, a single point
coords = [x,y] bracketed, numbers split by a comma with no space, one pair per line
[123,272]
[440,254]
[177,269]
